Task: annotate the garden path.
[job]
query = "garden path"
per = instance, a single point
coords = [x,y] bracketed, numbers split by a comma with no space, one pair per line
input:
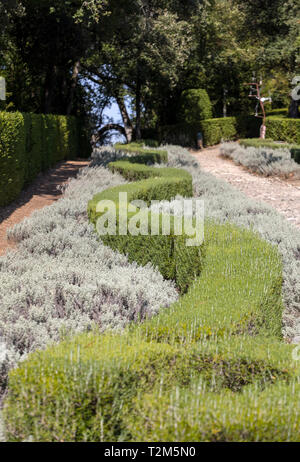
[42,192]
[282,195]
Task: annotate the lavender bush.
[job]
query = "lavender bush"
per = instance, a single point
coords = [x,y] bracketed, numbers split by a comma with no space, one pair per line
[262,160]
[63,280]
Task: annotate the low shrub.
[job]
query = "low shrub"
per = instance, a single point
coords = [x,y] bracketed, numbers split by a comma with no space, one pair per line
[95,388]
[31,143]
[262,159]
[220,303]
[194,105]
[268,143]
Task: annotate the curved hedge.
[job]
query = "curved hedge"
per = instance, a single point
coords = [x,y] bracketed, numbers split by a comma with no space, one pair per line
[211,367]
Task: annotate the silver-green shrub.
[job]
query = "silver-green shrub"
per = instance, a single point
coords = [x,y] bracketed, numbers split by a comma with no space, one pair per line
[63,280]
[262,160]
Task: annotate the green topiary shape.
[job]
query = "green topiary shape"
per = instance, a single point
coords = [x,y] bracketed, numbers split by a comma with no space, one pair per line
[194,106]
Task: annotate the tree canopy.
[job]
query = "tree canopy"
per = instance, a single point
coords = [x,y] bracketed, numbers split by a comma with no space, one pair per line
[77,56]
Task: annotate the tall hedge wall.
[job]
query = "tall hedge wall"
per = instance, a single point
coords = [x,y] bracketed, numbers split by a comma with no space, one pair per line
[31,143]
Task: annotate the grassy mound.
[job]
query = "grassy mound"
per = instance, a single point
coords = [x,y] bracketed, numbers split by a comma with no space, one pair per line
[211,367]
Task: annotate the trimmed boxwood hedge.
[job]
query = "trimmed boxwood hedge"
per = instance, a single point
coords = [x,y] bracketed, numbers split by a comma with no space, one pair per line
[168,253]
[283,129]
[215,352]
[31,143]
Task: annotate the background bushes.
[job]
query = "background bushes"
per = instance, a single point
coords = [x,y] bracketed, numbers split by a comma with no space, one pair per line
[262,159]
[31,143]
[213,130]
[231,128]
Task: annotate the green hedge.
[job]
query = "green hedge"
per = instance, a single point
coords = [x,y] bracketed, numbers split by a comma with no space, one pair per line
[268,143]
[210,367]
[143,155]
[31,143]
[230,128]
[283,112]
[167,252]
[283,129]
[194,105]
[213,130]
[12,156]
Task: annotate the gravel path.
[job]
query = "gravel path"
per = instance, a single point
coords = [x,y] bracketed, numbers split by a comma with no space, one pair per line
[43,191]
[282,195]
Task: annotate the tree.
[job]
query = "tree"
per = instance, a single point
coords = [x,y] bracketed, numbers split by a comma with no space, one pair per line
[148,43]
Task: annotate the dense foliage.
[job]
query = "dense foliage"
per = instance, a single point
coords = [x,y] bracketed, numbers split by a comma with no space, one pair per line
[78,57]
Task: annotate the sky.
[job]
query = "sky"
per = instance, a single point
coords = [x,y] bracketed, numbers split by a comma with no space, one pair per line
[114,113]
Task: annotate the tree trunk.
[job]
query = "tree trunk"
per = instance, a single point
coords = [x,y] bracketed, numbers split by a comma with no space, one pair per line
[293,109]
[128,129]
[76,70]
[97,136]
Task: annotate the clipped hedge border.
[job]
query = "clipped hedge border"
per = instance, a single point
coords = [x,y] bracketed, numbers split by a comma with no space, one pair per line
[283,129]
[31,143]
[224,330]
